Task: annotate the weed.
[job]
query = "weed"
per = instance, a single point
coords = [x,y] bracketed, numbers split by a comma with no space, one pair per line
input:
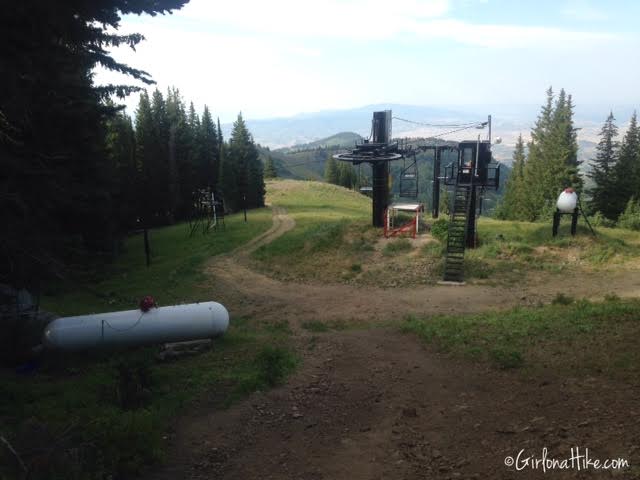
[274,364]
[316,326]
[433,250]
[321,327]
[506,358]
[278,327]
[562,299]
[394,247]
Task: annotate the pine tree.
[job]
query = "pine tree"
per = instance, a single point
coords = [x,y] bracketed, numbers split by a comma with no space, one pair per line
[211,150]
[180,171]
[121,150]
[627,169]
[242,177]
[346,175]
[602,173]
[552,164]
[331,174]
[270,168]
[512,206]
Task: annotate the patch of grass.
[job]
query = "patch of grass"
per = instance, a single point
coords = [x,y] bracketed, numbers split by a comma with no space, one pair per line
[395,247]
[280,327]
[318,326]
[576,338]
[506,358]
[175,275]
[274,364]
[106,416]
[433,250]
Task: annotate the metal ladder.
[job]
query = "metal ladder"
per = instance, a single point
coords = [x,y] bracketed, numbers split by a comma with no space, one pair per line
[457,235]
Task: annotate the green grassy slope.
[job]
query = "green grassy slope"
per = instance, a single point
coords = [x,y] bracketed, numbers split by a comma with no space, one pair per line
[96,415]
[175,274]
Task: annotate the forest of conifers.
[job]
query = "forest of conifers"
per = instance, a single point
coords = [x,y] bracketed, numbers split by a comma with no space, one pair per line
[77,173]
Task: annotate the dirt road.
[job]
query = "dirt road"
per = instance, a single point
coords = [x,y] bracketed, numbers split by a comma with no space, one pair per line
[374,404]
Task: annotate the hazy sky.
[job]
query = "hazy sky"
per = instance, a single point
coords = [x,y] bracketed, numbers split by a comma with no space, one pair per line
[280,57]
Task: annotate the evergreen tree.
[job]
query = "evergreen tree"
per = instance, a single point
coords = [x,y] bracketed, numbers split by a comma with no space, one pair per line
[512,206]
[58,178]
[145,160]
[627,169]
[211,152]
[121,150]
[270,168]
[243,180]
[552,164]
[346,175]
[179,144]
[331,174]
[602,173]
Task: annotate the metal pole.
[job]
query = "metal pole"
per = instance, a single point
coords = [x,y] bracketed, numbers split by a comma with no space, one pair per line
[435,208]
[380,170]
[244,206]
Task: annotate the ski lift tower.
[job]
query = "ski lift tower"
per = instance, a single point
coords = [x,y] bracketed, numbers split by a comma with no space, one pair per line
[377,151]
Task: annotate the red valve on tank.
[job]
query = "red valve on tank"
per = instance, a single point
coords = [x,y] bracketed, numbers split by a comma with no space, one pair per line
[147,303]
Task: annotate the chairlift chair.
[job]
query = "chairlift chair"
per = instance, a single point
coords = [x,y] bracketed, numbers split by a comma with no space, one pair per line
[409,176]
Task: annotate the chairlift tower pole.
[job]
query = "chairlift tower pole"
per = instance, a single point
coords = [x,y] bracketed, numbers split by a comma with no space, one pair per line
[380,170]
[377,151]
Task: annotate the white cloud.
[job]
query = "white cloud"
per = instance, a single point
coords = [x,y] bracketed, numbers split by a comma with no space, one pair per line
[285,56]
[510,36]
[583,11]
[358,19]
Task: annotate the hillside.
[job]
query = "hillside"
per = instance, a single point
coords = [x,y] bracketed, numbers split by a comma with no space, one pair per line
[306,162]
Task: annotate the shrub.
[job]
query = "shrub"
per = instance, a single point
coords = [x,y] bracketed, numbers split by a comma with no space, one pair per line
[274,364]
[440,229]
[630,218]
[562,299]
[599,220]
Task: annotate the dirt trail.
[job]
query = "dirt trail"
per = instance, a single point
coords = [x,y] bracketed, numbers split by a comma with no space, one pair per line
[254,294]
[376,404]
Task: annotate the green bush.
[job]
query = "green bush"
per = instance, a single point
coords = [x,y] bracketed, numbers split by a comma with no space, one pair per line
[274,364]
[599,220]
[630,218]
[440,229]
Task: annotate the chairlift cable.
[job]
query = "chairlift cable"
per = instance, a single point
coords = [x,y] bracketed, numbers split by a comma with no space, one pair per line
[443,125]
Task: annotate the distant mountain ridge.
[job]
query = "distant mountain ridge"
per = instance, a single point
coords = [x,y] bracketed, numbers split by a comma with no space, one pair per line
[309,130]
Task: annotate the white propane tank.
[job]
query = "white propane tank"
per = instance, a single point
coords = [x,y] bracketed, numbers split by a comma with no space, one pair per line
[567,201]
[134,327]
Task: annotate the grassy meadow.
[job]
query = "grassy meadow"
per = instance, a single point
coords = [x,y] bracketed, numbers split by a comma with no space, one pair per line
[334,242]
